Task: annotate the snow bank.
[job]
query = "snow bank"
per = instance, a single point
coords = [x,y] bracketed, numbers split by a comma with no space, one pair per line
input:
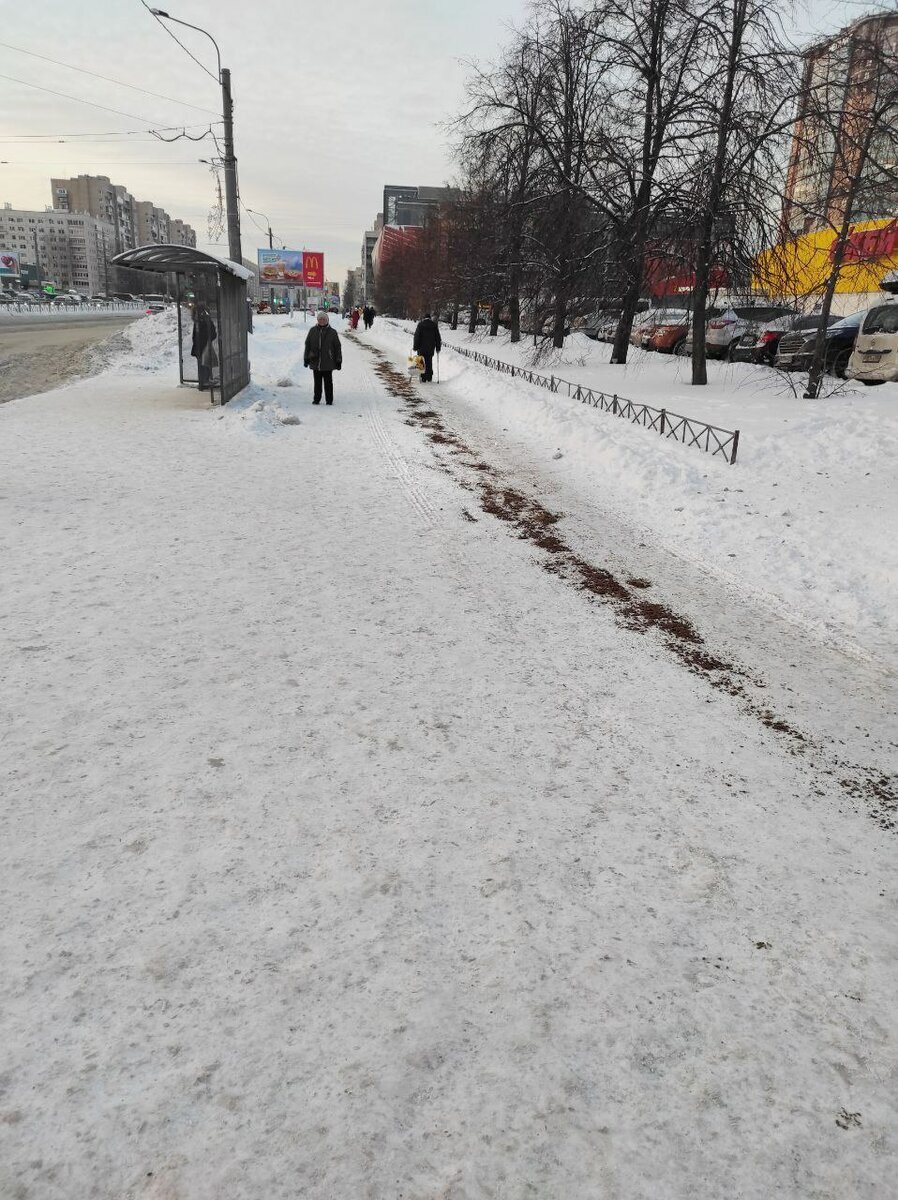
[151,341]
[806,521]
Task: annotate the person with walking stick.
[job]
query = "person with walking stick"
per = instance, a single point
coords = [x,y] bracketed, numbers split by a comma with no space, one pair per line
[427,343]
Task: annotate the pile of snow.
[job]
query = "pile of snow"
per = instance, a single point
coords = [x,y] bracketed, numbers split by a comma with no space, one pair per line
[152,342]
[807,519]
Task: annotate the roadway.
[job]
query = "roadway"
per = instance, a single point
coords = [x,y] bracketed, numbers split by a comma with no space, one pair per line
[38,353]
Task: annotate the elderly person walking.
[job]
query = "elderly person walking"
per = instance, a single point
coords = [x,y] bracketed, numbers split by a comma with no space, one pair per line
[324,354]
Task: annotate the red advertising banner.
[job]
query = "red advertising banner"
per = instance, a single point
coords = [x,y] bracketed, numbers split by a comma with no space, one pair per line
[313,269]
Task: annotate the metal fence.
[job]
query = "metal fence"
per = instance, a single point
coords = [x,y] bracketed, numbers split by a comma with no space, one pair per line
[710,438]
[68,307]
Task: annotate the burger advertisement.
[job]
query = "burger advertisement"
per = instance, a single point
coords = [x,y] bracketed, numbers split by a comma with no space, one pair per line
[9,263]
[280,268]
[291,268]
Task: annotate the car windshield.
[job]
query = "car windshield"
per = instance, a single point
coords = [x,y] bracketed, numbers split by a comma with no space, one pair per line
[882,320]
[851,322]
[813,321]
[760,314]
[672,316]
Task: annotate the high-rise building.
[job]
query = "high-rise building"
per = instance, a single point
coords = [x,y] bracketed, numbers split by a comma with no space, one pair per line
[72,250]
[152,224]
[841,75]
[369,241]
[181,234]
[136,222]
[404,205]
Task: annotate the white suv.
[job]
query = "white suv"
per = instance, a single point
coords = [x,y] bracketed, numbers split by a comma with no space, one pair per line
[724,332]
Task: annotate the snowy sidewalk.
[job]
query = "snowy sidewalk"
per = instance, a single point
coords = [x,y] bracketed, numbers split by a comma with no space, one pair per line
[348,853]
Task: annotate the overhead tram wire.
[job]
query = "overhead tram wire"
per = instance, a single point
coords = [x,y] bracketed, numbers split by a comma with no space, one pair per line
[107,79]
[77,99]
[24,139]
[159,21]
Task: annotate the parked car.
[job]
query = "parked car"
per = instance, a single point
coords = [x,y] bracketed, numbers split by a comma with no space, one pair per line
[797,349]
[155,308]
[125,296]
[641,323]
[874,358]
[727,329]
[671,329]
[765,345]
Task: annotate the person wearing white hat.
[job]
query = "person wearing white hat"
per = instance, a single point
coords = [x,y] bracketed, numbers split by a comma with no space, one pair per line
[324,354]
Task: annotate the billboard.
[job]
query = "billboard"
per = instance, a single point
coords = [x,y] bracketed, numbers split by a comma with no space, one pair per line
[281,268]
[291,268]
[9,263]
[313,269]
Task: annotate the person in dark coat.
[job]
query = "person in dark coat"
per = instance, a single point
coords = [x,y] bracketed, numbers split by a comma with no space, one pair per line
[324,354]
[201,347]
[427,343]
[368,316]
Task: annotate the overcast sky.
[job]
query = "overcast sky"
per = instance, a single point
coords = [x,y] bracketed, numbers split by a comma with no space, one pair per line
[332,100]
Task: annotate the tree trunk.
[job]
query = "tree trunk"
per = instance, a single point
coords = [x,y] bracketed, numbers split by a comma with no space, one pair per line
[472,323]
[559,317]
[453,324]
[715,191]
[514,306]
[495,312]
[625,324]
[818,362]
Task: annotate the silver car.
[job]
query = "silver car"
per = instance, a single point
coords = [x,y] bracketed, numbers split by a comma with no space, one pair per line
[724,332]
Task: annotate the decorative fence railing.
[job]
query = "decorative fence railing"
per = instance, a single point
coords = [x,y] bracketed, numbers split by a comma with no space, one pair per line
[710,438]
[69,308]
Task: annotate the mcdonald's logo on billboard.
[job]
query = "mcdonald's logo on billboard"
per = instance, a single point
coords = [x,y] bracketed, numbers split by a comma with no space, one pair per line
[313,269]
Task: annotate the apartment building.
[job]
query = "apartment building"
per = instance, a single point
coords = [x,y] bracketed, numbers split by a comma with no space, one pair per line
[152,224]
[841,76]
[369,241]
[136,222]
[71,249]
[181,234]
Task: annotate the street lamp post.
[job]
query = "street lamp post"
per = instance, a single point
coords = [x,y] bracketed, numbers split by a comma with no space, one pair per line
[230,161]
[267,221]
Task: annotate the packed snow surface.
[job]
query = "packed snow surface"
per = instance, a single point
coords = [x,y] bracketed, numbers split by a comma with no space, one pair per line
[347,852]
[807,518]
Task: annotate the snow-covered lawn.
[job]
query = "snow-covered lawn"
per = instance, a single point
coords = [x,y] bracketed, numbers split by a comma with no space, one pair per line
[346,852]
[807,519]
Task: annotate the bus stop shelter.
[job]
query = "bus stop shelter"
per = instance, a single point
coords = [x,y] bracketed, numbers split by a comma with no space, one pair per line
[211,296]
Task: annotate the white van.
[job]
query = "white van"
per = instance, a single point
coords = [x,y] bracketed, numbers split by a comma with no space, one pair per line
[875,355]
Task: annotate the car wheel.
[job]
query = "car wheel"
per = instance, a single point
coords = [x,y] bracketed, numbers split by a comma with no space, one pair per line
[839,363]
[682,350]
[873,382]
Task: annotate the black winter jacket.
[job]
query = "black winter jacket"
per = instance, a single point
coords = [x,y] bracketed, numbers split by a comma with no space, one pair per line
[427,337]
[323,350]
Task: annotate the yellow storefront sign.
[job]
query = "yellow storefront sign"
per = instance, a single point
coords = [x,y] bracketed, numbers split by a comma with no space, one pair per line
[801,267]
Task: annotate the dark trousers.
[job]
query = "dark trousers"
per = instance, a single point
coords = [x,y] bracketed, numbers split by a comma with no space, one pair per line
[327,378]
[427,355]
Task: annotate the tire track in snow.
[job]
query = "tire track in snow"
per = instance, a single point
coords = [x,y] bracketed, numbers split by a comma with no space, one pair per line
[400,469]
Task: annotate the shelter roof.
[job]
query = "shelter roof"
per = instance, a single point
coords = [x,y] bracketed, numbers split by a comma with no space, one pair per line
[162,258]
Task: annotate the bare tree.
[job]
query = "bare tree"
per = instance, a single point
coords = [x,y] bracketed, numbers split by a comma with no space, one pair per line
[750,86]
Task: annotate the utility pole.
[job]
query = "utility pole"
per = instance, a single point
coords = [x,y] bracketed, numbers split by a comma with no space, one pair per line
[230,160]
[230,170]
[37,263]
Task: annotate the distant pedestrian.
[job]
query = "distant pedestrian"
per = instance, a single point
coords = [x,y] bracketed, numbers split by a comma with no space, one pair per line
[427,342]
[354,318]
[368,316]
[324,354]
[201,346]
